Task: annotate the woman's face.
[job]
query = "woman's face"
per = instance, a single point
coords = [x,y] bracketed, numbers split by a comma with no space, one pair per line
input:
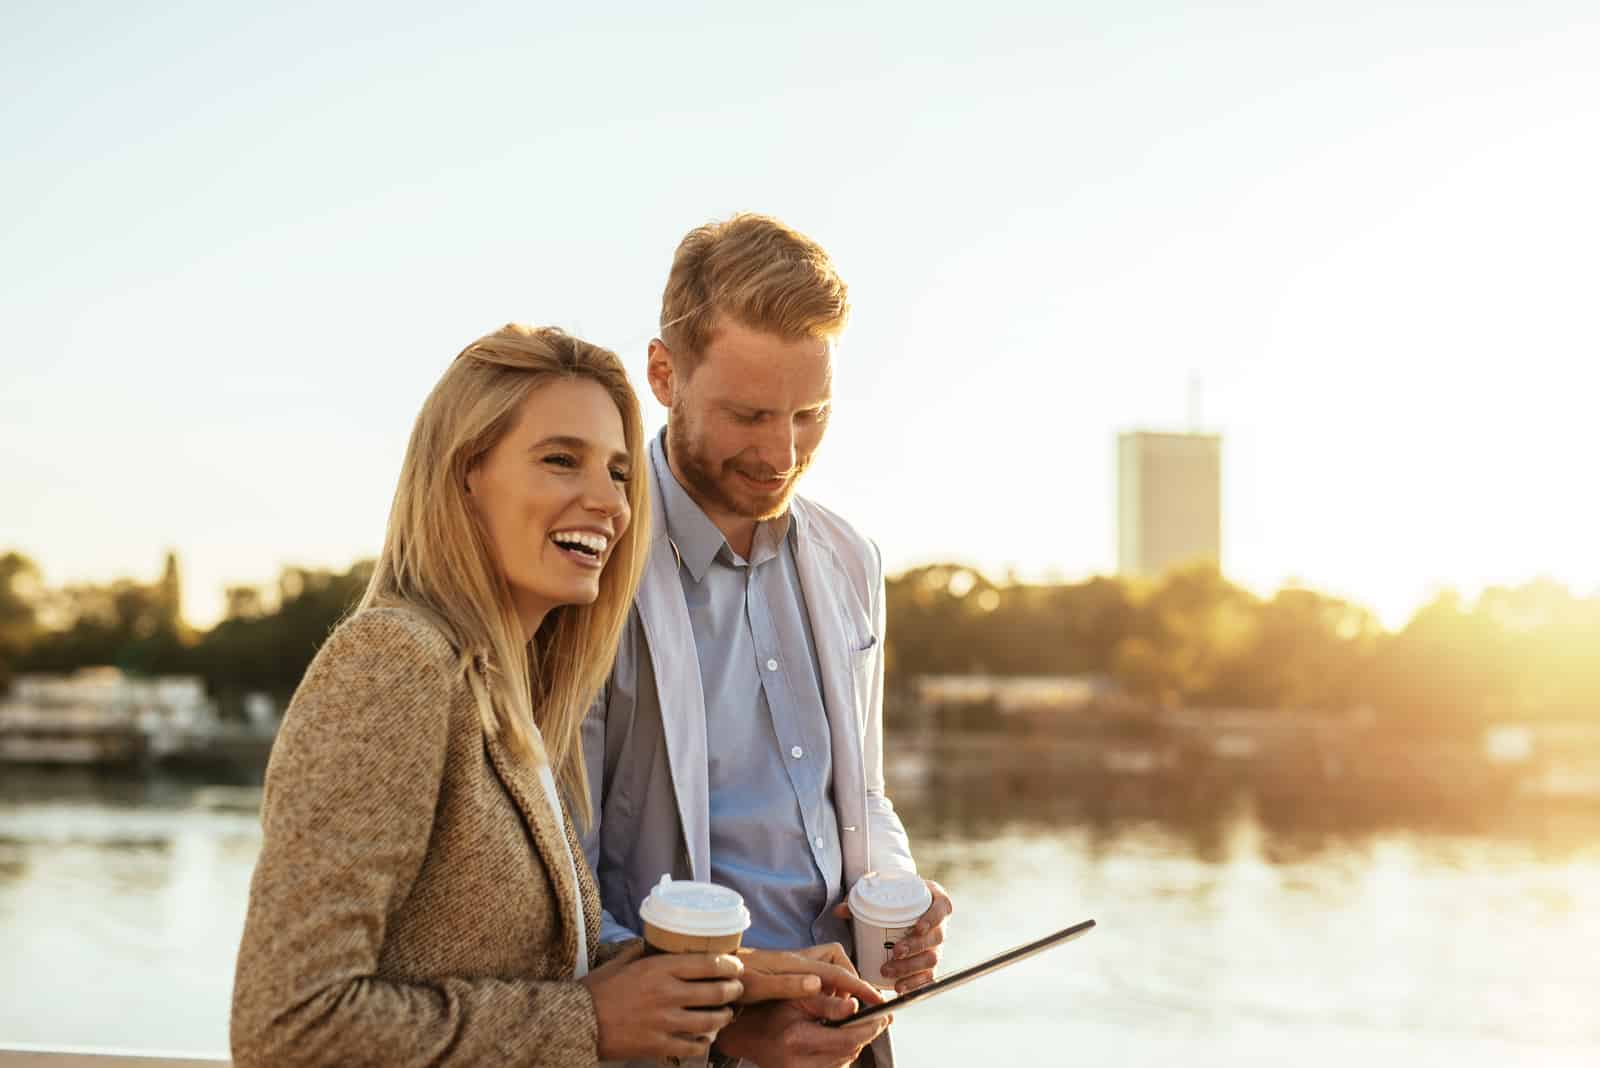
[553,495]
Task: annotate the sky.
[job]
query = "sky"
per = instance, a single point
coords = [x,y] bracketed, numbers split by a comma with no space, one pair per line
[239,243]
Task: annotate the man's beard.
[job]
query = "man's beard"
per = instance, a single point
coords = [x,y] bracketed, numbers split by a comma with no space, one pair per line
[717,485]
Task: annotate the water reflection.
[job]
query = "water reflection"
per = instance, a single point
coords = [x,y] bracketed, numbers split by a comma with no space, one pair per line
[1235,928]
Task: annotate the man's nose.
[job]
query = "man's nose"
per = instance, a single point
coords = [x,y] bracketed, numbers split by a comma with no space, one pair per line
[778,446]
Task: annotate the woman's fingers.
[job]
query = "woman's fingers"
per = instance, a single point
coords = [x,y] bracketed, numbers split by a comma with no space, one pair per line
[708,992]
[696,1021]
[683,1046]
[702,965]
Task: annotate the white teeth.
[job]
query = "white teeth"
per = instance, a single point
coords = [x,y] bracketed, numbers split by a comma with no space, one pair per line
[594,542]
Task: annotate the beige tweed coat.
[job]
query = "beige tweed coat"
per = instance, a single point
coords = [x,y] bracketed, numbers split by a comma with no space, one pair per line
[411,904]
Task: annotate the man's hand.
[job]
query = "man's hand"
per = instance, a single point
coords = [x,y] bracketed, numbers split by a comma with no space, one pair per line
[917,954]
[774,975]
[786,1034]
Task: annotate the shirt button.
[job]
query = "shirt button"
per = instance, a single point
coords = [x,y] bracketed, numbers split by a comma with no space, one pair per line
[797,752]
[772,665]
[817,841]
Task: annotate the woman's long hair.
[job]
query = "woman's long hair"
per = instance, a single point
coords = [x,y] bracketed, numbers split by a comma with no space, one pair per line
[437,555]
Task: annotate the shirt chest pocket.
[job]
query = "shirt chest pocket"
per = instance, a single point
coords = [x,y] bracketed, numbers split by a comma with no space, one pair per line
[864,652]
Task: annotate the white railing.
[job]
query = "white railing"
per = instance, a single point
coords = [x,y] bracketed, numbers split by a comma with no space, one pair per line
[26,1056]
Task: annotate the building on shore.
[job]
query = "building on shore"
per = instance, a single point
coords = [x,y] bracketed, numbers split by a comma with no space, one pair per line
[1169,502]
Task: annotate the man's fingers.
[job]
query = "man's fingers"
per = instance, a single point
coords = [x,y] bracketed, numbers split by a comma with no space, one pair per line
[918,942]
[859,1034]
[904,969]
[912,982]
[937,912]
[824,1007]
[764,986]
[841,982]
[818,1041]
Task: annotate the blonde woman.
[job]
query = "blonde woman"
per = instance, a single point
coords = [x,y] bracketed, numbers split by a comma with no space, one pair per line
[421,897]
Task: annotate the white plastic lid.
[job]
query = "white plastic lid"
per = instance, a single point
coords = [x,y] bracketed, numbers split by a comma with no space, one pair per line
[692,908]
[890,898]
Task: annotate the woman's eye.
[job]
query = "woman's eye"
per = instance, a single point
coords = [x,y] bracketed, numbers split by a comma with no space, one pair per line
[618,475]
[561,459]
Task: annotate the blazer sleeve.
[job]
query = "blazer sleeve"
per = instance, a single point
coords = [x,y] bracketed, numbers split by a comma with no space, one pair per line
[596,756]
[888,842]
[351,791]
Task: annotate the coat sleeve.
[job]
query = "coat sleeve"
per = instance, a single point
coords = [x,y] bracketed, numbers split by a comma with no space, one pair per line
[352,788]
[889,845]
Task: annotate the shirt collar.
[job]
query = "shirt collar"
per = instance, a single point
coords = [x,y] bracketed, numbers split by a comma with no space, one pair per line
[693,534]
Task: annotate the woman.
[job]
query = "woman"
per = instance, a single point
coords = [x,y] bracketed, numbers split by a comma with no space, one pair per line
[421,897]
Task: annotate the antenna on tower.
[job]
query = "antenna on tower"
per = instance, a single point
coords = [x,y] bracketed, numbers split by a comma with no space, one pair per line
[1194,402]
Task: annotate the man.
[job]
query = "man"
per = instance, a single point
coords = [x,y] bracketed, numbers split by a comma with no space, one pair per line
[739,739]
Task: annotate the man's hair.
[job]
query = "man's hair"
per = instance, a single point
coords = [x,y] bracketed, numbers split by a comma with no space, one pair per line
[756,271]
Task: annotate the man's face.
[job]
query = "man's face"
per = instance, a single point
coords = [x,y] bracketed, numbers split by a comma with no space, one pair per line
[744,423]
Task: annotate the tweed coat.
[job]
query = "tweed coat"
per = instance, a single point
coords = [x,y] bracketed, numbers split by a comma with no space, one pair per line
[412,904]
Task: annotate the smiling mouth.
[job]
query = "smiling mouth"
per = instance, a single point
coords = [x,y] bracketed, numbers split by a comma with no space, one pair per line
[765,483]
[582,546]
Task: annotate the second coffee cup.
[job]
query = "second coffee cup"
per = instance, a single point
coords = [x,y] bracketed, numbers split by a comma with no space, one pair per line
[883,908]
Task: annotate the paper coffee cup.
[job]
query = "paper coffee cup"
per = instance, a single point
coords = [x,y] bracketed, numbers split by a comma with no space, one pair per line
[883,908]
[691,917]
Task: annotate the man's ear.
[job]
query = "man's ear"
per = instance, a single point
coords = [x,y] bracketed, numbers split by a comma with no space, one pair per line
[663,378]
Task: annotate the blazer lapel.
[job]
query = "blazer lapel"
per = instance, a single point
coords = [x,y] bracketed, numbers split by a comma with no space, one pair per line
[819,581]
[669,637]
[522,783]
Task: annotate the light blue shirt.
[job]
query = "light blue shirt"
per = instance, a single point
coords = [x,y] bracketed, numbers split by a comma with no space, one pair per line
[774,832]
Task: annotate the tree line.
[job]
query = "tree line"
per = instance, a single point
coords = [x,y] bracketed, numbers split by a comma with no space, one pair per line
[1189,639]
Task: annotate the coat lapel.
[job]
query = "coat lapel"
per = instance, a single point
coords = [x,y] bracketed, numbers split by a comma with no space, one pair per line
[820,579]
[522,783]
[669,637]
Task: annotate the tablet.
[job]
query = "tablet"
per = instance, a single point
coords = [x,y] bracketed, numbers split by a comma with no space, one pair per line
[967,975]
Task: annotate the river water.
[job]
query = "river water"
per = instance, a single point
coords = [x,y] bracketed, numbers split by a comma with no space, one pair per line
[1230,932]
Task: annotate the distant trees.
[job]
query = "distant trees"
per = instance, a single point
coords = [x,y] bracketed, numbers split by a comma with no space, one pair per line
[1191,639]
[257,648]
[1194,639]
[19,623]
[139,626]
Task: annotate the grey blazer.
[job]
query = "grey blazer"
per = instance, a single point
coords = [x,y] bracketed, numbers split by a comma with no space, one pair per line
[645,739]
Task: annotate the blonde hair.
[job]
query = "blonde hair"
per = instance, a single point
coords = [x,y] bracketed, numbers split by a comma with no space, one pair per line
[756,271]
[437,557]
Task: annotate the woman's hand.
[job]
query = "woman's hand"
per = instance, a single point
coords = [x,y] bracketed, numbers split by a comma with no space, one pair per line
[661,1006]
[776,975]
